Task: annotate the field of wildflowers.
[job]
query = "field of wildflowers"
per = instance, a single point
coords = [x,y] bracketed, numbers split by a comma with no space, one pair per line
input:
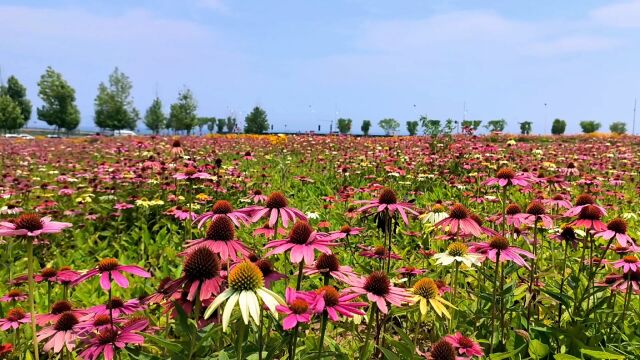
[312,247]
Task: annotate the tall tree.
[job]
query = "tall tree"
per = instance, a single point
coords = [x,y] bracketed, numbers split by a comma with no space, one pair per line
[366,126]
[412,127]
[256,121]
[202,122]
[344,125]
[618,127]
[220,124]
[18,93]
[154,118]
[389,125]
[114,108]
[10,116]
[558,127]
[211,125]
[58,97]
[589,126]
[525,127]
[496,125]
[232,124]
[183,112]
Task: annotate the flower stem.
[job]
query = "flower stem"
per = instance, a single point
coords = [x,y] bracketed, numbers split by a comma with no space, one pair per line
[564,268]
[260,326]
[364,347]
[493,306]
[299,283]
[32,305]
[323,329]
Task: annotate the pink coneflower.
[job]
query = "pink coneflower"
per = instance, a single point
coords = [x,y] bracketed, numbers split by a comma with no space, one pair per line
[616,228]
[108,341]
[581,202]
[115,307]
[181,213]
[62,334]
[58,308]
[122,206]
[569,170]
[258,197]
[268,231]
[95,323]
[176,148]
[508,177]
[628,263]
[464,345]
[410,271]
[507,252]
[347,230]
[269,274]
[559,201]
[459,222]
[191,173]
[31,225]
[109,269]
[200,275]
[277,206]
[220,238]
[223,208]
[589,218]
[623,282]
[14,295]
[66,191]
[302,243]
[387,201]
[328,265]
[378,252]
[379,290]
[15,317]
[535,214]
[248,156]
[510,215]
[297,309]
[328,299]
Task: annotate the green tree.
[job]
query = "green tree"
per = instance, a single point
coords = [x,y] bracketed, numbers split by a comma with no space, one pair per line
[525,127]
[496,125]
[256,121]
[366,126]
[182,115]
[471,124]
[202,123]
[59,108]
[449,126]
[232,124]
[211,125]
[558,127]
[618,127]
[221,123]
[18,94]
[412,127]
[11,118]
[113,105]
[589,126]
[430,126]
[389,125]
[344,125]
[154,118]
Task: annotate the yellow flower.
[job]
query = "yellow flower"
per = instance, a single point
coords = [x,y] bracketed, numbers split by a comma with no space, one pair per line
[426,293]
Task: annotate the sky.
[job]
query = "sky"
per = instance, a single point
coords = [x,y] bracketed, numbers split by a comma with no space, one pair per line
[309,62]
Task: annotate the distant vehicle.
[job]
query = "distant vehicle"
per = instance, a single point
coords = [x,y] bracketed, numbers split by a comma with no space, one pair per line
[54,136]
[26,136]
[13,136]
[119,133]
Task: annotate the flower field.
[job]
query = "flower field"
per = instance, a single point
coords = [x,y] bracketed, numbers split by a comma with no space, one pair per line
[320,247]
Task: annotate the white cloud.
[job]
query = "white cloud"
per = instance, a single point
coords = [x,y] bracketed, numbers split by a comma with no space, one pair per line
[217,5]
[572,44]
[623,14]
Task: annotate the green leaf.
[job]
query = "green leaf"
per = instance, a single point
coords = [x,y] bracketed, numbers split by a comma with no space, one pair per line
[506,355]
[172,347]
[388,354]
[601,354]
[564,357]
[537,349]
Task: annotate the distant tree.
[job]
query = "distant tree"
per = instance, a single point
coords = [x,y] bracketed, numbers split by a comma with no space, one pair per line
[11,118]
[211,125]
[154,118]
[430,127]
[114,108]
[389,125]
[183,112]
[202,123]
[449,126]
[472,124]
[58,108]
[366,126]
[525,127]
[18,94]
[558,127]
[232,124]
[618,127]
[256,121]
[412,127]
[344,125]
[589,126]
[220,124]
[496,125]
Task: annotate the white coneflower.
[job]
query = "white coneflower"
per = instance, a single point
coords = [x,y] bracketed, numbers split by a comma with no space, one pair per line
[246,285]
[457,252]
[437,213]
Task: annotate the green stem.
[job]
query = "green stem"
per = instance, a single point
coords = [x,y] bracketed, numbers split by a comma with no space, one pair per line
[260,326]
[364,347]
[299,283]
[32,305]
[323,329]
[493,306]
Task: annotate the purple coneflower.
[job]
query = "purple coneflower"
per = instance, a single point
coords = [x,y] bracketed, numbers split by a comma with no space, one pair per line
[302,243]
[109,269]
[220,238]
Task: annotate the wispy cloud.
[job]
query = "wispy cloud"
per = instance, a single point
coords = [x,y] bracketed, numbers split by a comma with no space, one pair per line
[217,5]
[623,14]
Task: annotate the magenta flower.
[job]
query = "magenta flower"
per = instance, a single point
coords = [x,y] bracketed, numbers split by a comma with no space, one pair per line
[328,299]
[58,308]
[258,197]
[407,271]
[181,213]
[269,274]
[535,214]
[15,317]
[508,177]
[378,289]
[581,202]
[298,309]
[122,206]
[302,242]
[589,218]
[559,201]
[277,206]
[220,239]
[109,269]
[617,228]
[62,334]
[14,295]
[459,222]
[328,265]
[200,275]
[191,173]
[116,307]
[223,208]
[268,231]
[110,340]
[31,225]
[629,263]
[499,244]
[378,252]
[464,345]
[387,201]
[347,230]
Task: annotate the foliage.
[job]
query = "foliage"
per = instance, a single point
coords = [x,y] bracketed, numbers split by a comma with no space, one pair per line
[472,124]
[431,127]
[231,124]
[589,126]
[344,125]
[412,127]
[182,116]
[11,118]
[220,124]
[113,105]
[525,127]
[58,109]
[389,125]
[618,127]
[18,93]
[366,126]
[558,127]
[154,118]
[497,125]
[256,121]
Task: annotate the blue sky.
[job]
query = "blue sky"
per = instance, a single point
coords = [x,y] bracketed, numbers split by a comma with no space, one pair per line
[308,62]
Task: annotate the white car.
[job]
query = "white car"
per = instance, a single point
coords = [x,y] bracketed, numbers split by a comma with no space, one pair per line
[124,133]
[25,136]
